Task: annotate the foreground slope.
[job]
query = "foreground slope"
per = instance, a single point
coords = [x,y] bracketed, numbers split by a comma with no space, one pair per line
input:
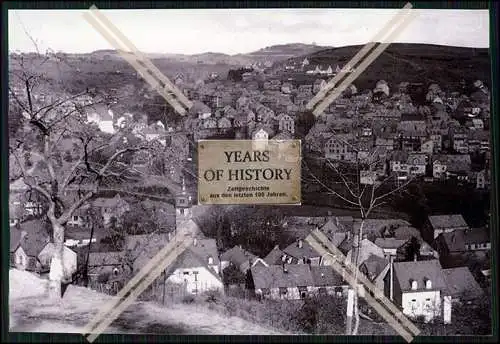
[32,311]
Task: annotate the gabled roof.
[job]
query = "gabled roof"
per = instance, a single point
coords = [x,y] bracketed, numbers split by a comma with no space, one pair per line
[237,256]
[447,221]
[206,248]
[325,276]
[419,271]
[330,227]
[189,259]
[366,250]
[111,258]
[31,236]
[297,252]
[274,257]
[374,266]
[390,243]
[274,276]
[453,241]
[461,283]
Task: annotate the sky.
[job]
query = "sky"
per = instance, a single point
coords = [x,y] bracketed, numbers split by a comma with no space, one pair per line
[233,31]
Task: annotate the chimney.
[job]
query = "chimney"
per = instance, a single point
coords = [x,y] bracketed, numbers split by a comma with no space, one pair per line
[195,242]
[300,243]
[415,257]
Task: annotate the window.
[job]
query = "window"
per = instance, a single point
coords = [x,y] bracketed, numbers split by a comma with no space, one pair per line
[115,271]
[75,218]
[210,260]
[186,272]
[195,273]
[283,292]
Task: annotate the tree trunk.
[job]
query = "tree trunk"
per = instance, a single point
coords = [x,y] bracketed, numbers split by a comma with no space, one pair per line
[56,275]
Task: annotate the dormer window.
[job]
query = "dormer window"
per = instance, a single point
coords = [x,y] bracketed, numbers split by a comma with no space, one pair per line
[210,260]
[414,284]
[428,284]
[115,271]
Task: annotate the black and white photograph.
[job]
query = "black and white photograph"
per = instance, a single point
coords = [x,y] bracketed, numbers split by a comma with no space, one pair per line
[127,216]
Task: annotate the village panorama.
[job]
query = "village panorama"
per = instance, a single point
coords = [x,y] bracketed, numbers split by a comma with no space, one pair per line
[395,173]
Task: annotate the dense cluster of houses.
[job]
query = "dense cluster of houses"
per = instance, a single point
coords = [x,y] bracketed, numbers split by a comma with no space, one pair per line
[424,272]
[436,141]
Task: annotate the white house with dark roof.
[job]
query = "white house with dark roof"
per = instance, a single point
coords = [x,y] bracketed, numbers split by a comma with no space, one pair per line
[197,268]
[295,282]
[420,289]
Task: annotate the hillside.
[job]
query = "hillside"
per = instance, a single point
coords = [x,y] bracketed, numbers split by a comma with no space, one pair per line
[284,51]
[32,311]
[416,63]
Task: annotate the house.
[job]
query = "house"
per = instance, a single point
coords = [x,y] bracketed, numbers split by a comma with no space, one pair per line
[451,248]
[371,260]
[197,268]
[411,140]
[286,88]
[479,141]
[260,134]
[462,286]
[385,143]
[301,252]
[240,258]
[427,147]
[179,79]
[102,117]
[483,179]
[290,282]
[318,85]
[339,147]
[103,265]
[224,123]
[327,281]
[286,123]
[417,164]
[26,242]
[420,289]
[367,177]
[448,166]
[477,239]
[437,224]
[459,139]
[398,162]
[110,208]
[200,110]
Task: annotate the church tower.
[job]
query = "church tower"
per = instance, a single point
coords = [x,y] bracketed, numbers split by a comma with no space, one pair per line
[183,203]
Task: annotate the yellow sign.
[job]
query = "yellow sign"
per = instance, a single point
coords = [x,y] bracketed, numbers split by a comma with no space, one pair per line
[249,172]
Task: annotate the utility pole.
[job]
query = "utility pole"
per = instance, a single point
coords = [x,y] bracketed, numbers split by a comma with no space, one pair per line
[351,292]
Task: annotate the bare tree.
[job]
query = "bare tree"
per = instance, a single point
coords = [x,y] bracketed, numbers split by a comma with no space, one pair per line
[359,186]
[70,158]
